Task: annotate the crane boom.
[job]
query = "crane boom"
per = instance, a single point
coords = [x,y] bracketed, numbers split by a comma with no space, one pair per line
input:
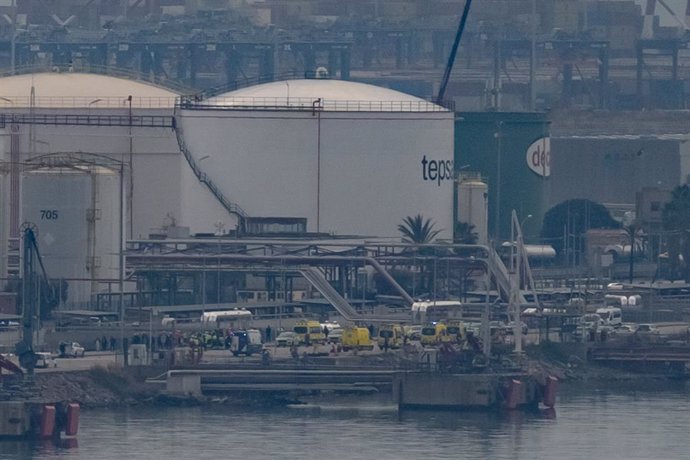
[31,297]
[454,51]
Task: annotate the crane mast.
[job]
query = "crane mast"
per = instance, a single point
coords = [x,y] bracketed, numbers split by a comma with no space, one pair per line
[453,51]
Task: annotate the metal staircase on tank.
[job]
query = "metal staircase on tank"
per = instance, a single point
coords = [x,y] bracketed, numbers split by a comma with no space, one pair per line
[232,208]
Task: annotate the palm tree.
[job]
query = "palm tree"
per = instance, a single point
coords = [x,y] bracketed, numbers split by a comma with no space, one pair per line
[417,230]
[635,236]
[465,233]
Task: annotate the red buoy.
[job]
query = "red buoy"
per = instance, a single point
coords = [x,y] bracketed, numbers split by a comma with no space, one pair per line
[72,426]
[550,390]
[47,421]
[514,394]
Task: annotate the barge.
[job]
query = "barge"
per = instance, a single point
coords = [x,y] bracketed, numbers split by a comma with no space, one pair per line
[473,391]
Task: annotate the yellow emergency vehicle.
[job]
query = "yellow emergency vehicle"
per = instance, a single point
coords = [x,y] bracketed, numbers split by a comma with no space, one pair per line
[456,331]
[393,332]
[312,329]
[356,338]
[434,334]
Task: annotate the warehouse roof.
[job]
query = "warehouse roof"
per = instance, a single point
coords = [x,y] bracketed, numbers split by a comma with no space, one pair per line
[81,90]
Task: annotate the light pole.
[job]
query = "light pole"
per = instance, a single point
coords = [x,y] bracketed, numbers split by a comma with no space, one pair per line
[198,164]
[13,38]
[497,202]
[131,169]
[631,228]
[522,224]
[121,262]
[203,293]
[150,344]
[533,56]
[88,110]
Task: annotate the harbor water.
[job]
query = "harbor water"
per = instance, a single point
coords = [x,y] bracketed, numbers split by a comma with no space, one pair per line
[624,421]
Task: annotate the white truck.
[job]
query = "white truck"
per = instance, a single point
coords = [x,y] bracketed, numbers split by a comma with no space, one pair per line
[612,316]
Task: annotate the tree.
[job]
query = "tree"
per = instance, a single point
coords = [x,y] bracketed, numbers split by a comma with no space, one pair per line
[465,234]
[635,235]
[417,230]
[676,220]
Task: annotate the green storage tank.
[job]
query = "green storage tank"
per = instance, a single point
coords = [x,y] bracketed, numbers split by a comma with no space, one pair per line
[511,150]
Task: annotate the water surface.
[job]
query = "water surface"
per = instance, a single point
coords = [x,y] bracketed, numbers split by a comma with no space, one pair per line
[631,421]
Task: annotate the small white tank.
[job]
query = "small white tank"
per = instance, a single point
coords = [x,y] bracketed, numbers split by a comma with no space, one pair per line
[635,300]
[77,215]
[473,206]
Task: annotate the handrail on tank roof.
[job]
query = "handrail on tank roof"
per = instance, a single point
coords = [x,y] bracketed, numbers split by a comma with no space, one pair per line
[165,83]
[194,100]
[307,105]
[258,80]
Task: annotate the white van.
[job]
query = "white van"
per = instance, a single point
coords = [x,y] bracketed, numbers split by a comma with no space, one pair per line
[168,321]
[612,316]
[613,300]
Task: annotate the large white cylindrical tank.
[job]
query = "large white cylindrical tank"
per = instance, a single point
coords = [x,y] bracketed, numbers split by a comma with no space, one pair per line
[76,212]
[351,158]
[473,206]
[151,155]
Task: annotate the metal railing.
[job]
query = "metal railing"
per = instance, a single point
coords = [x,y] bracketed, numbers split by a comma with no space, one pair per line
[58,119]
[310,104]
[86,102]
[251,81]
[209,99]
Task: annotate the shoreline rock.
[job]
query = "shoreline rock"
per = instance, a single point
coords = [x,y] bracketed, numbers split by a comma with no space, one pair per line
[103,387]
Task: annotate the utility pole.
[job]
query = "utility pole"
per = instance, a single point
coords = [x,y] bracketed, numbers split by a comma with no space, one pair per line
[533,57]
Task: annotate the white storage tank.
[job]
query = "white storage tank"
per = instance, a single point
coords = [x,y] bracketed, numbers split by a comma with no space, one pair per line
[151,155]
[351,158]
[473,204]
[76,212]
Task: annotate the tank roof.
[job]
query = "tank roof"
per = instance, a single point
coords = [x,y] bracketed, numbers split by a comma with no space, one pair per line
[337,95]
[81,90]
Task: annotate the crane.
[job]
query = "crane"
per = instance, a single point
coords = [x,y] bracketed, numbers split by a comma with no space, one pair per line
[35,287]
[650,12]
[453,51]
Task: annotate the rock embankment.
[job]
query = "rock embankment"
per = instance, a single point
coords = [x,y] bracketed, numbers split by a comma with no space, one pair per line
[114,386]
[98,387]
